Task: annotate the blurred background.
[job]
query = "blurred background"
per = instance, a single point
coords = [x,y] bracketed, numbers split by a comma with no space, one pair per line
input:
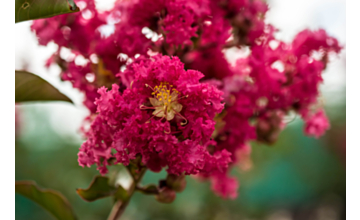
[297,178]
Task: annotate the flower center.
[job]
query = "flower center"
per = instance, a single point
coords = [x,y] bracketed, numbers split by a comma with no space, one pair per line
[165,102]
[163,95]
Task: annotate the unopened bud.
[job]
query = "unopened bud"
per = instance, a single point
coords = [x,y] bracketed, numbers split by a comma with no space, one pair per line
[177,183]
[166,195]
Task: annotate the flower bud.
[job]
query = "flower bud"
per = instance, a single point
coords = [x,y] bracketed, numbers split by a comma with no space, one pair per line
[166,195]
[177,183]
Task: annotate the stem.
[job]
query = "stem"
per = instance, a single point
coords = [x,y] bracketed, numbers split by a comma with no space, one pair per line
[119,206]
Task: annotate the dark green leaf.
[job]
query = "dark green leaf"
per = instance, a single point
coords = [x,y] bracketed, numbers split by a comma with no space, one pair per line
[51,200]
[35,9]
[30,87]
[121,194]
[100,188]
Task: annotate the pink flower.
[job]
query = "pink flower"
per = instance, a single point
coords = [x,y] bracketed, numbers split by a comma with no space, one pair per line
[210,61]
[75,31]
[224,186]
[168,109]
[126,39]
[177,25]
[165,115]
[307,41]
[316,124]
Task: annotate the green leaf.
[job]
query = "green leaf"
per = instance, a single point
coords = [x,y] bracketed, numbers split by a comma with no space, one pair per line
[51,200]
[35,9]
[100,188]
[30,87]
[121,194]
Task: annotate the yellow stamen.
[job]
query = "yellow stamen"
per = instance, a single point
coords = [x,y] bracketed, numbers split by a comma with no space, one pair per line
[165,101]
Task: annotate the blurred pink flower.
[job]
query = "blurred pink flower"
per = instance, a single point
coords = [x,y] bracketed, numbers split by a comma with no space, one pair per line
[316,124]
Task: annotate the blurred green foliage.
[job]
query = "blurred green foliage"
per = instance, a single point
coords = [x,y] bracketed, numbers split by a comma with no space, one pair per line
[298,177]
[29,10]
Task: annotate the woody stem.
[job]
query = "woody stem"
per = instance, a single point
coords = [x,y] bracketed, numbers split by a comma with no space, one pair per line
[120,205]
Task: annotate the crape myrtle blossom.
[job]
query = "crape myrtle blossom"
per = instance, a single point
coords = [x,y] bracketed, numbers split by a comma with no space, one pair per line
[79,33]
[316,124]
[168,108]
[165,115]
[196,29]
[224,186]
[75,31]
[259,95]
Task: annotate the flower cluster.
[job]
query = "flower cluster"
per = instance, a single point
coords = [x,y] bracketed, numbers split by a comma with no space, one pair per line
[159,85]
[165,116]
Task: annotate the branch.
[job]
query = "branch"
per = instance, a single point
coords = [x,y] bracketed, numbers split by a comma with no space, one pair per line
[120,205]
